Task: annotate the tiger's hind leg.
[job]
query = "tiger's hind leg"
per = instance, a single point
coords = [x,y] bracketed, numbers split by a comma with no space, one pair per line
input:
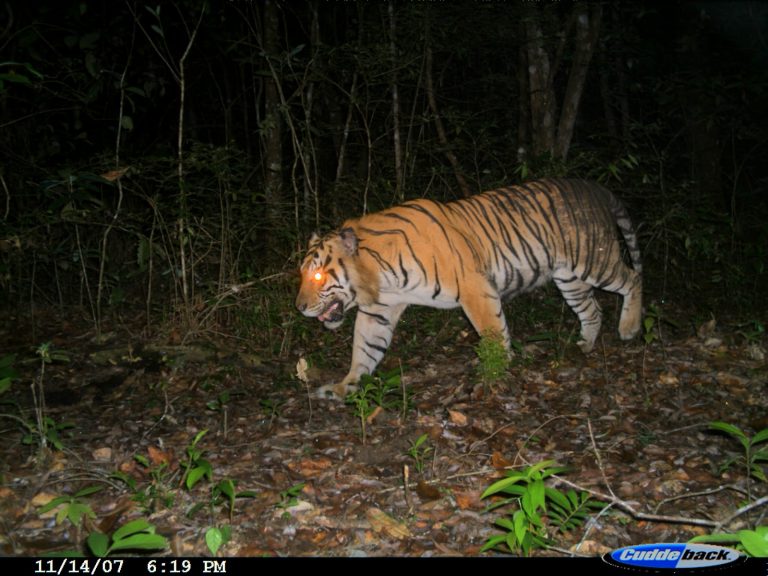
[374,327]
[632,308]
[581,298]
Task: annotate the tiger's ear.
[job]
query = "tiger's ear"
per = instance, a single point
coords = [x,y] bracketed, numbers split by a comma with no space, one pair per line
[349,240]
[312,239]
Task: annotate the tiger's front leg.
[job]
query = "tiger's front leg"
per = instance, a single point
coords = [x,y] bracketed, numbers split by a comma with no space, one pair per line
[374,327]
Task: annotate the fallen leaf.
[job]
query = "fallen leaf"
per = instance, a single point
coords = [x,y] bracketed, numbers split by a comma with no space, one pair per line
[427,491]
[590,547]
[102,454]
[499,462]
[730,380]
[310,467]
[457,417]
[381,522]
[668,379]
[157,456]
[467,500]
[42,498]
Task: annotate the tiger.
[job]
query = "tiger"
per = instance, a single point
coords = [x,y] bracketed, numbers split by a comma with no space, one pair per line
[472,253]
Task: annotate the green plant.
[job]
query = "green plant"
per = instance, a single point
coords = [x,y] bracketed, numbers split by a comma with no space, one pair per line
[752,457]
[220,403]
[364,406]
[752,542]
[419,451]
[224,492]
[135,535]
[650,325]
[216,537]
[271,407]
[529,502]
[72,508]
[752,332]
[45,431]
[380,390]
[290,496]
[493,356]
[158,489]
[196,466]
[7,372]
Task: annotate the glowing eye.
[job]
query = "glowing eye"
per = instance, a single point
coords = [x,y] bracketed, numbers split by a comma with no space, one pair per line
[318,276]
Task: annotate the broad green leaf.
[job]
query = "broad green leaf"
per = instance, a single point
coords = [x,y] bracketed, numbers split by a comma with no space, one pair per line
[140,542]
[717,538]
[214,539]
[755,544]
[505,523]
[98,543]
[227,487]
[58,501]
[77,510]
[521,525]
[503,485]
[133,527]
[536,490]
[127,122]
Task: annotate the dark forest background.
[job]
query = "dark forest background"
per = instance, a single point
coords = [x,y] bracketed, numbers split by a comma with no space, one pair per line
[169,160]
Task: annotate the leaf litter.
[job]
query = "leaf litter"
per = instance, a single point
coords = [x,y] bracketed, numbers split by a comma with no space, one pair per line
[630,420]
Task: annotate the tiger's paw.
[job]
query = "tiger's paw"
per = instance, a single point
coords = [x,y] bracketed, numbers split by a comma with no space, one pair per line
[585,346]
[335,391]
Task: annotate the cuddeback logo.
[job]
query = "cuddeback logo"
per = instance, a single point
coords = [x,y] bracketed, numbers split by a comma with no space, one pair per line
[672,556]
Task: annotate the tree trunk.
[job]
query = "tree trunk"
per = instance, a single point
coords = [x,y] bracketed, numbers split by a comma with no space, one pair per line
[395,103]
[271,127]
[541,92]
[441,135]
[587,31]
[524,101]
[549,135]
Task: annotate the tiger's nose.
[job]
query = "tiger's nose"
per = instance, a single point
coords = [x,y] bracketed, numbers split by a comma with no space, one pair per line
[301,306]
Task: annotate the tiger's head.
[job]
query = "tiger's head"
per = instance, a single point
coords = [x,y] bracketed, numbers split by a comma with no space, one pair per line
[333,278]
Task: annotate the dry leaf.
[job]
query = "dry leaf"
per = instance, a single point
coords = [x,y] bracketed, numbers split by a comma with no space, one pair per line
[457,417]
[102,454]
[467,500]
[301,370]
[427,491]
[381,522]
[157,456]
[499,462]
[731,380]
[590,547]
[310,467]
[668,379]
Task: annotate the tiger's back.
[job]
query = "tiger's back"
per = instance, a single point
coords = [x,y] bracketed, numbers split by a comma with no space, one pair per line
[472,253]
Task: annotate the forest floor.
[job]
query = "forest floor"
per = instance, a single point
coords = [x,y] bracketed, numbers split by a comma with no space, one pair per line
[631,422]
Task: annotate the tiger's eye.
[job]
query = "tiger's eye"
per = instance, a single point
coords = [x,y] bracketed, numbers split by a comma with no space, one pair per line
[318,276]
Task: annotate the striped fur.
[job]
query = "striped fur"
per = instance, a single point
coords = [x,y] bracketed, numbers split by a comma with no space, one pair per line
[472,253]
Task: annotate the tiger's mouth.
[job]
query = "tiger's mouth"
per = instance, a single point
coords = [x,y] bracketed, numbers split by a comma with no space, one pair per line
[334,312]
